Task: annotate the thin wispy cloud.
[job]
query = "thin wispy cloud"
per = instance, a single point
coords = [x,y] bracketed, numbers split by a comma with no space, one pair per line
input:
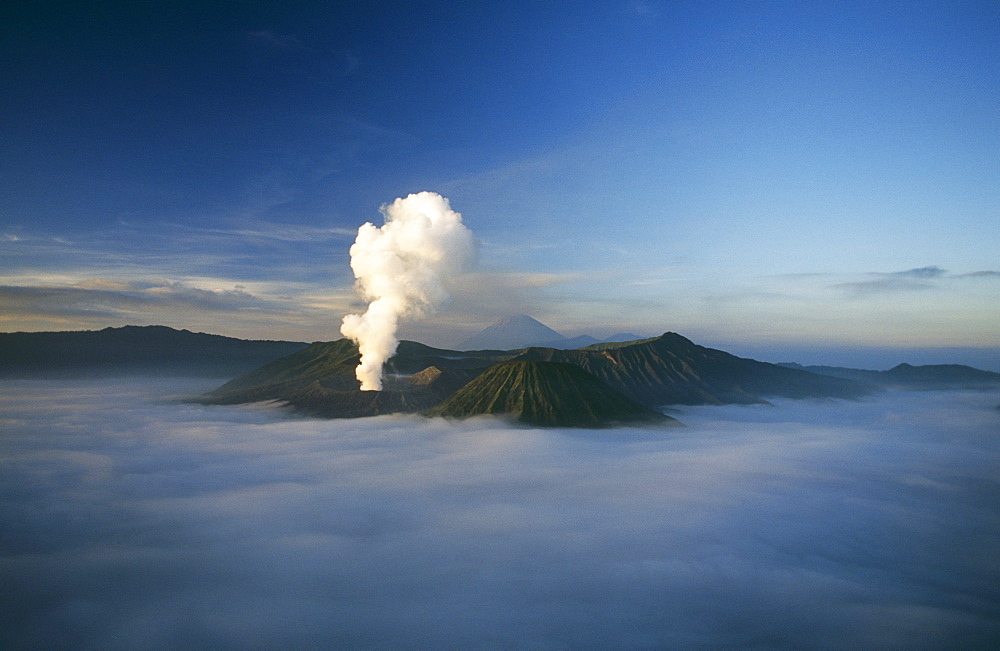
[919,279]
[277,40]
[281,252]
[118,299]
[884,285]
[262,231]
[297,314]
[249,277]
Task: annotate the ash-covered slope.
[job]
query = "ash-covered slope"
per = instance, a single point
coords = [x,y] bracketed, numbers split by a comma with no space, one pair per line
[548,394]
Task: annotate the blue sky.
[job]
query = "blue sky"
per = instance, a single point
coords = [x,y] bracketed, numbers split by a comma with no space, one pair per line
[815,180]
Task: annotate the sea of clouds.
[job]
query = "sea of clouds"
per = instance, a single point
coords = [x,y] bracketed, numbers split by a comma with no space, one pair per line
[130,519]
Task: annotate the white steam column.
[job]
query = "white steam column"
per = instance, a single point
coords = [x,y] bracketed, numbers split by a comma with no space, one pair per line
[403,269]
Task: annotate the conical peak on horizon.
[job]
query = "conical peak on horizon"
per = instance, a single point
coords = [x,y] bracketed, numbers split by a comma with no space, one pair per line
[404,268]
[510,332]
[523,331]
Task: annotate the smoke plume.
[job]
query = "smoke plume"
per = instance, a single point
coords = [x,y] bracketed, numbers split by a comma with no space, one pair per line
[403,268]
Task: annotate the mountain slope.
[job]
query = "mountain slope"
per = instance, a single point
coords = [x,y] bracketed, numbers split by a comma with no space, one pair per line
[281,377]
[134,349]
[549,394]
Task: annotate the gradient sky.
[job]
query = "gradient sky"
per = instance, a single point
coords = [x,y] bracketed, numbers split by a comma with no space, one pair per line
[771,178]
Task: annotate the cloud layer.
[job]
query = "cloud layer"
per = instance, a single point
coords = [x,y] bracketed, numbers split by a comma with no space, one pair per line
[129,520]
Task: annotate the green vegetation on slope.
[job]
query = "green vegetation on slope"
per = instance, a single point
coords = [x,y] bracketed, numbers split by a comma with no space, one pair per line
[272,381]
[549,394]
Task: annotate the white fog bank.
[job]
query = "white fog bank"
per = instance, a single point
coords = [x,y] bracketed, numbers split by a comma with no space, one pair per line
[129,520]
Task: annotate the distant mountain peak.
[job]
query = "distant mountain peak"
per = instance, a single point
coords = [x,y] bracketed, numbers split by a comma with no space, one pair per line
[519,331]
[512,332]
[525,322]
[519,319]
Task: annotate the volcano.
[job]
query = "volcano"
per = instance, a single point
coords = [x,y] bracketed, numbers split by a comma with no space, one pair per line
[653,373]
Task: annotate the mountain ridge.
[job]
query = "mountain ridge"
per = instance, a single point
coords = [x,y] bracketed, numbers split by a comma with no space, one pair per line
[927,376]
[134,349]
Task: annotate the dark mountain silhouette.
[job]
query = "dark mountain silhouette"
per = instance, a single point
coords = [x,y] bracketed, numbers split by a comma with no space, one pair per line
[931,376]
[134,349]
[548,394]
